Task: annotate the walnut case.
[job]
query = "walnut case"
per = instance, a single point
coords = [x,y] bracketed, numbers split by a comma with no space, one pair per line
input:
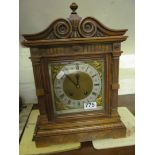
[75,38]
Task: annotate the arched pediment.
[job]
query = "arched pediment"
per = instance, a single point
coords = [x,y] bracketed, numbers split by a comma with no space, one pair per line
[74,27]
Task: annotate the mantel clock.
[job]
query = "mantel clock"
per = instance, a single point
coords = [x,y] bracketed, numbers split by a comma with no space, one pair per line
[76,66]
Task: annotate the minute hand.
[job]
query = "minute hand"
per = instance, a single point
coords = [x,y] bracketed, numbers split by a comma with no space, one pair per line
[70,79]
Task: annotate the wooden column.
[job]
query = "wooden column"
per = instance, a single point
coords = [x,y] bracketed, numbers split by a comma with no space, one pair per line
[37,70]
[47,90]
[107,84]
[115,77]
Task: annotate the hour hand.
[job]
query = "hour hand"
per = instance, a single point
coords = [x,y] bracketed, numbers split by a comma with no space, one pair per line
[77,80]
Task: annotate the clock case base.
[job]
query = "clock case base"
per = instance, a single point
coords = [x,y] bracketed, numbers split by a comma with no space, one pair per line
[61,131]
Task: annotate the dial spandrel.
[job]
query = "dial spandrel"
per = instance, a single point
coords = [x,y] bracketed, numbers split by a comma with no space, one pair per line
[76,84]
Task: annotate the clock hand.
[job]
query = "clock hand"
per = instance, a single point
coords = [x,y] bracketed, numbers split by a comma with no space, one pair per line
[77,80]
[70,79]
[85,93]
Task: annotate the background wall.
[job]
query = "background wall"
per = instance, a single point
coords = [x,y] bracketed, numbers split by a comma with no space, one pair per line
[36,15]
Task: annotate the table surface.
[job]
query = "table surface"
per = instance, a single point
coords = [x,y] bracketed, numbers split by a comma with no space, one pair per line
[27,146]
[23,116]
[129,121]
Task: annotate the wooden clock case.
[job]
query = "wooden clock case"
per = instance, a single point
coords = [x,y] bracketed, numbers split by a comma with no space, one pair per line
[75,38]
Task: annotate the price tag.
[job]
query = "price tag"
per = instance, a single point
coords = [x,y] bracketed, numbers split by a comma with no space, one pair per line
[90,105]
[60,75]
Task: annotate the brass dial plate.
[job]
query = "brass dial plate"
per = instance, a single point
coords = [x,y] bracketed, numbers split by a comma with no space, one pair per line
[77,89]
[75,83]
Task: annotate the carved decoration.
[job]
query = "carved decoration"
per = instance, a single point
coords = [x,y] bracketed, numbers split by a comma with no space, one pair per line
[62,28]
[116,46]
[74,27]
[74,19]
[87,28]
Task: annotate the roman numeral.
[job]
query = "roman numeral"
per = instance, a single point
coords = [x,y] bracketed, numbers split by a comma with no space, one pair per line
[96,84]
[94,75]
[77,66]
[86,69]
[62,96]
[94,93]
[57,87]
[79,103]
[69,101]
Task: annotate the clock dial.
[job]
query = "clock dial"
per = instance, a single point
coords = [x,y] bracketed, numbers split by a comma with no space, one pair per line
[80,88]
[75,84]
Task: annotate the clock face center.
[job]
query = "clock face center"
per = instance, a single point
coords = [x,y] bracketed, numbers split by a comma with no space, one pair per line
[77,85]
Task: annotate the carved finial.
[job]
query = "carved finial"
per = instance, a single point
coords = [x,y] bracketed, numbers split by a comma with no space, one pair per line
[73,7]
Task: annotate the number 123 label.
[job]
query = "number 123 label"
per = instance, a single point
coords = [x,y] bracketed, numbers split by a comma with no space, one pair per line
[90,105]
